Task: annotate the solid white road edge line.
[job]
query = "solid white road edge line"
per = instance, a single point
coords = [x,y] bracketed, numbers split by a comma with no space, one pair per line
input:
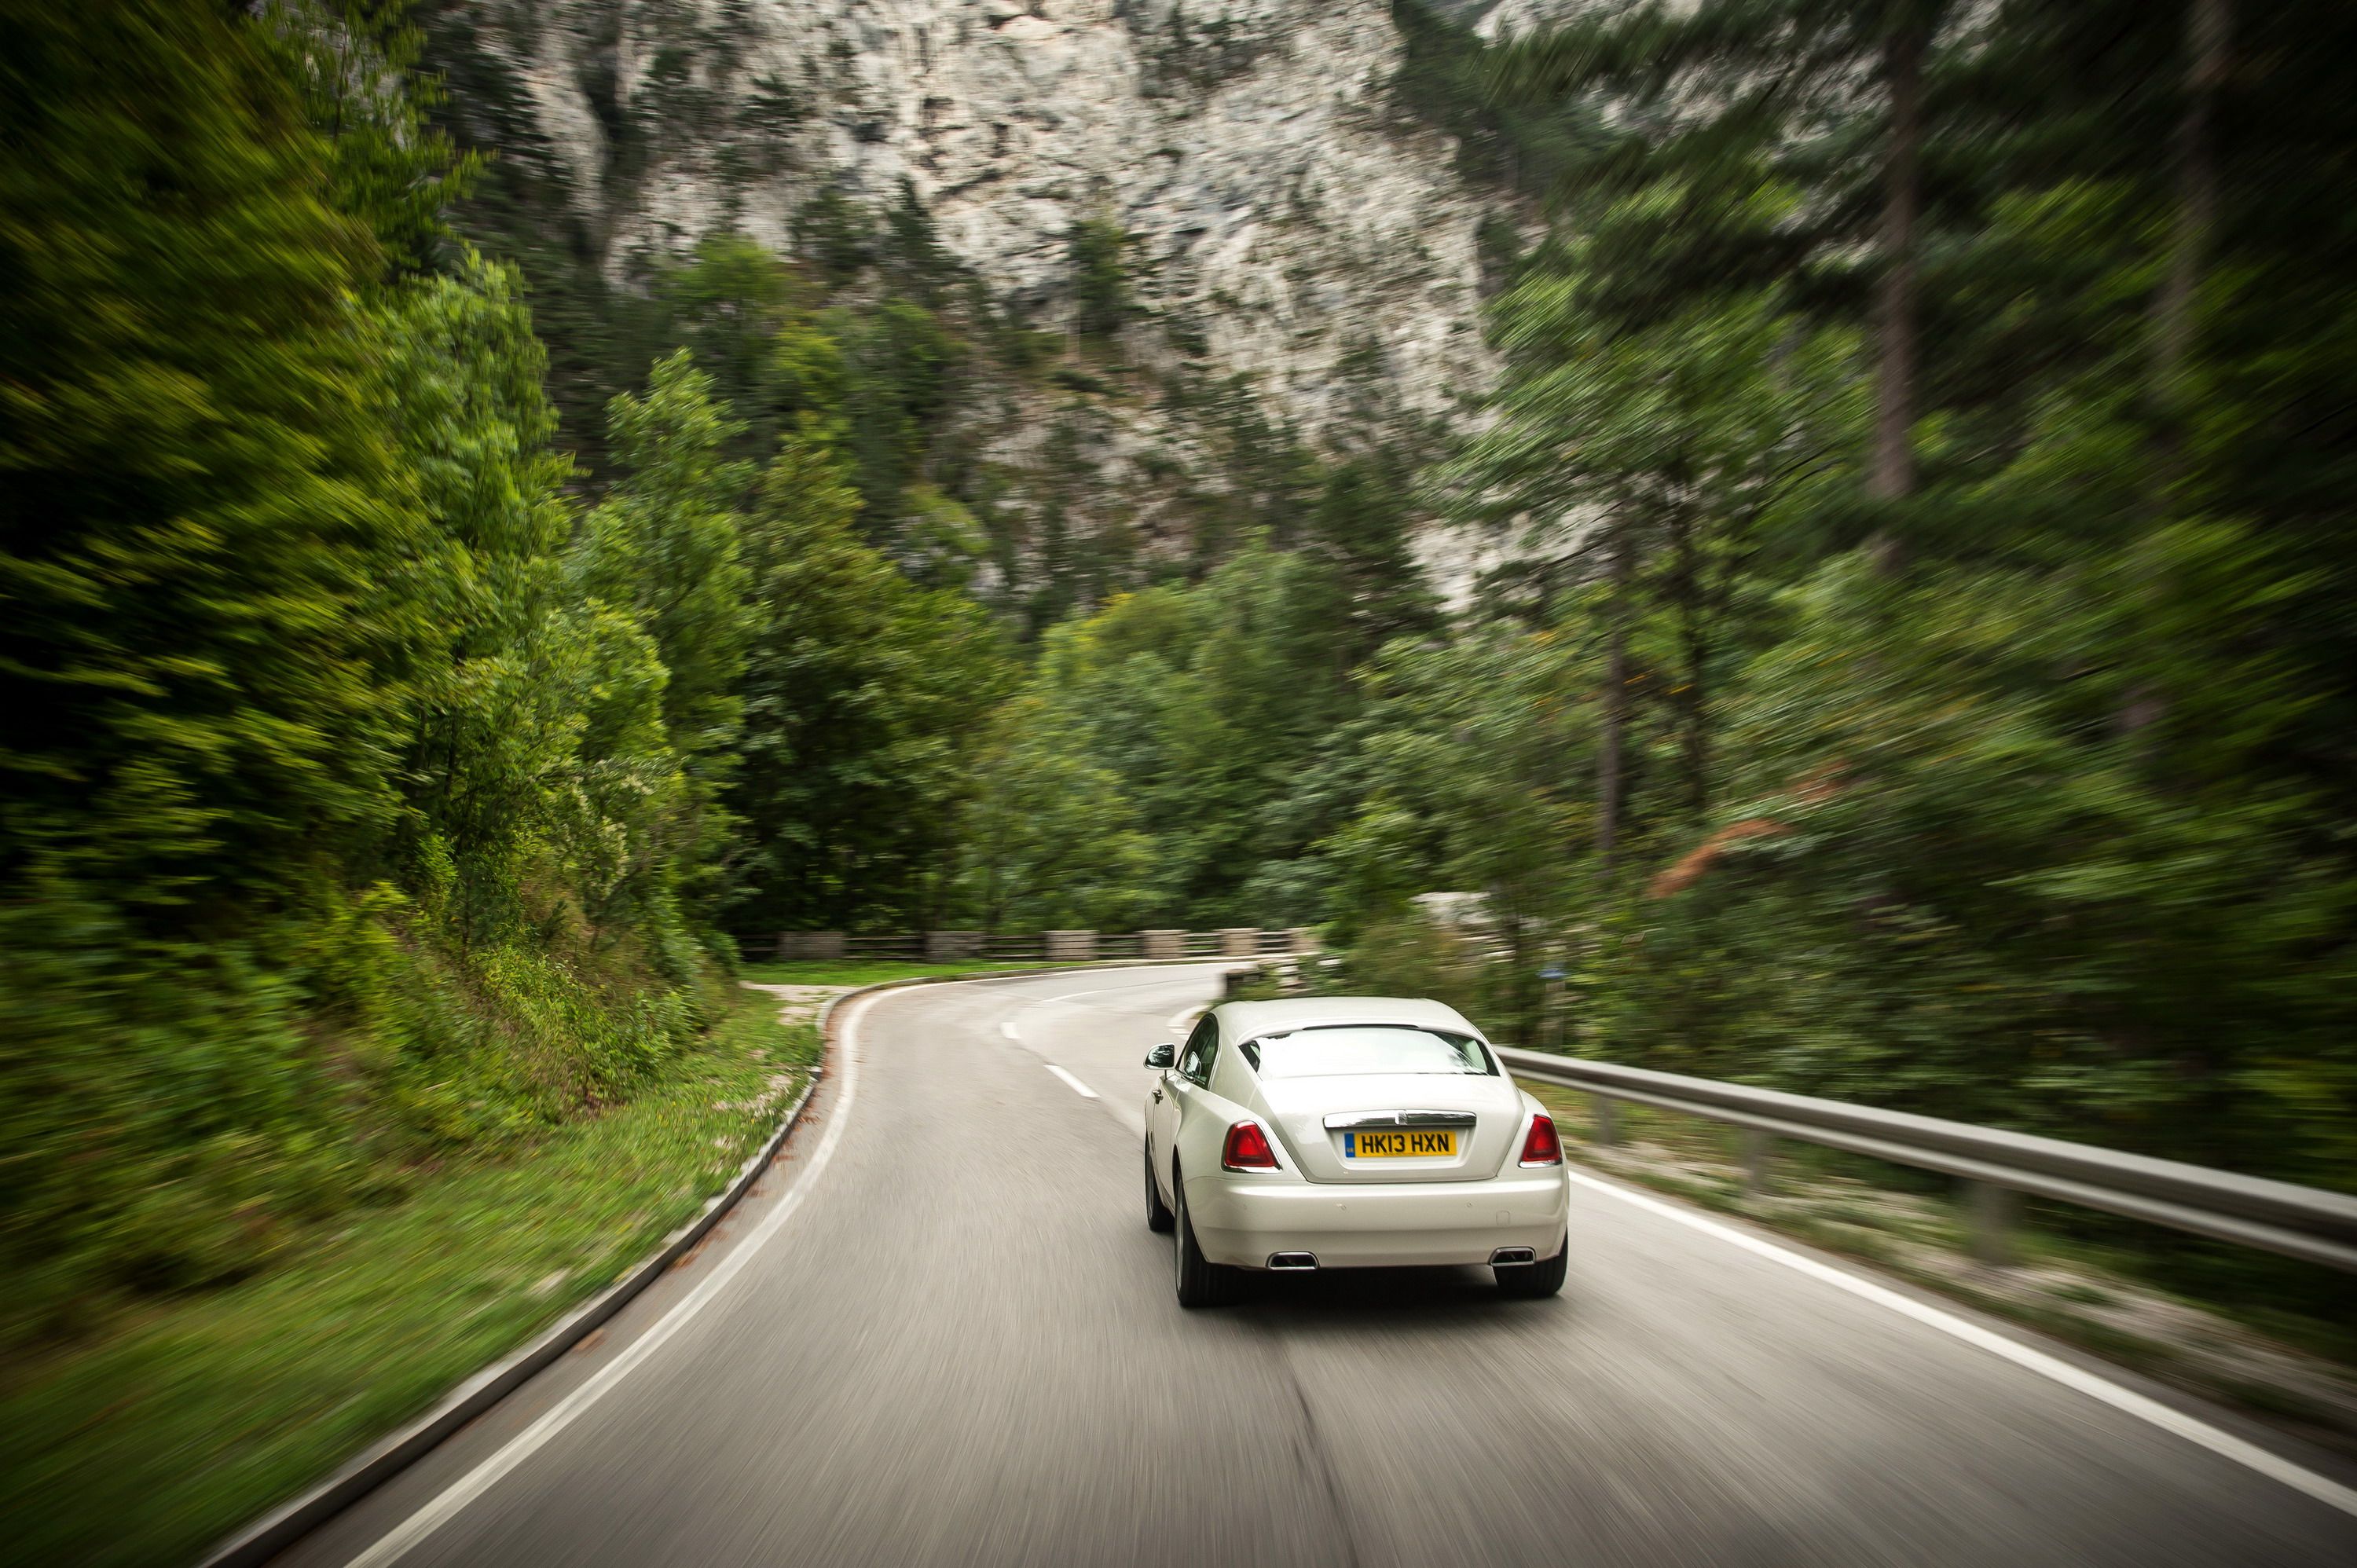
[2224,1444]
[1083,1090]
[410,1532]
[1006,1027]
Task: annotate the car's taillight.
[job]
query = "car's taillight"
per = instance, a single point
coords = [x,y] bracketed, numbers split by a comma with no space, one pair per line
[1540,1145]
[1248,1149]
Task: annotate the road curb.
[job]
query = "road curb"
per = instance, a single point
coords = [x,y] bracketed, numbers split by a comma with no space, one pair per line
[275,1532]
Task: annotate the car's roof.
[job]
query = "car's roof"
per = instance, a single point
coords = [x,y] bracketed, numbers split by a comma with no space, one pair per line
[1248,1020]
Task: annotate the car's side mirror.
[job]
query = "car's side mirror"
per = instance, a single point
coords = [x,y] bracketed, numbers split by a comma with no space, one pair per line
[1162,1056]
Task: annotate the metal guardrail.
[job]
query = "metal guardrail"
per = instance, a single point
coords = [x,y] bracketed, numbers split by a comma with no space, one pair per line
[1053,946]
[2278,1217]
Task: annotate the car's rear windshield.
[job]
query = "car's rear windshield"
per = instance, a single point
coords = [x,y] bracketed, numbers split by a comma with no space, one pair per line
[1373,1048]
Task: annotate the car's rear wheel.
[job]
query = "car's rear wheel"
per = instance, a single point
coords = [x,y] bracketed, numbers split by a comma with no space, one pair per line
[1201,1282]
[1158,1213]
[1533,1281]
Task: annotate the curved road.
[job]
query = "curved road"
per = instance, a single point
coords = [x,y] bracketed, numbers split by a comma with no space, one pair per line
[941,1333]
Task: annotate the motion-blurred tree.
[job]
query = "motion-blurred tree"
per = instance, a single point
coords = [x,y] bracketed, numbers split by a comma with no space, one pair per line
[1967,806]
[199,498]
[1831,91]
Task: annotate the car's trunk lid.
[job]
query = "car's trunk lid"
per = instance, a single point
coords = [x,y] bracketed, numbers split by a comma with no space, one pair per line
[1379,1127]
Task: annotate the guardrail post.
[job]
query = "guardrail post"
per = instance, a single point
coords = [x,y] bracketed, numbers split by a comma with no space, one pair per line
[1071,947]
[1994,1210]
[1757,1150]
[1302,940]
[1606,1118]
[1162,944]
[950,947]
[1239,941]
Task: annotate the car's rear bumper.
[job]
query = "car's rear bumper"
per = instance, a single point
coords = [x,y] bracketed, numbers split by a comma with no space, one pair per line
[1241,1221]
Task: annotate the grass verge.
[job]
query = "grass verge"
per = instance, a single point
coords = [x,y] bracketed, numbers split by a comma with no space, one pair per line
[149,1445]
[871,971]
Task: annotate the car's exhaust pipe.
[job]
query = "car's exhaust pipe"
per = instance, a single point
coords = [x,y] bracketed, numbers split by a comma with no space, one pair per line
[1294,1263]
[1511,1255]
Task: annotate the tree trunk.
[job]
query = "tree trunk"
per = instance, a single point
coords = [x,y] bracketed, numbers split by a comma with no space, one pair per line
[1608,782]
[2209,26]
[2207,32]
[1890,476]
[1695,644]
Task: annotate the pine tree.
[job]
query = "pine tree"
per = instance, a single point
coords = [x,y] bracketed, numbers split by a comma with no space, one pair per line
[1702,93]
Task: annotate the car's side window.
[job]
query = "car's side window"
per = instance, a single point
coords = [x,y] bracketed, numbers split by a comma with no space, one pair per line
[1195,1061]
[1203,1073]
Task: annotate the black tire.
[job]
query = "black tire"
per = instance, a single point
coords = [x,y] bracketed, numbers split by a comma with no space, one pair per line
[1201,1282]
[1158,1213]
[1533,1282]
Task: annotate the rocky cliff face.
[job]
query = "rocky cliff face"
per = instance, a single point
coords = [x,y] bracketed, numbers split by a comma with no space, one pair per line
[1283,218]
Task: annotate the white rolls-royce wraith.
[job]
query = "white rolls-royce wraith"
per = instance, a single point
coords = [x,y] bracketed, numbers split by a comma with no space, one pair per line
[1349,1132]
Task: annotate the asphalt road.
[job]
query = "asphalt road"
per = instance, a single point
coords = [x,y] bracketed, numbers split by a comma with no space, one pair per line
[941,1333]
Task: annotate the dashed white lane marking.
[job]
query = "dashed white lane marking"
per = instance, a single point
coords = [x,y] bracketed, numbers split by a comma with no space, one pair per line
[1128,1116]
[409,1534]
[1083,1090]
[2226,1444]
[1007,1027]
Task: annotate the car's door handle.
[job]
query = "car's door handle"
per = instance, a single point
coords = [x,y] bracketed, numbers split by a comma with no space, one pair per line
[1158,1097]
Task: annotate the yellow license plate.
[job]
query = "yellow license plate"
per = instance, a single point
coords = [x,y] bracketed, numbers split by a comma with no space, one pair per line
[1408,1143]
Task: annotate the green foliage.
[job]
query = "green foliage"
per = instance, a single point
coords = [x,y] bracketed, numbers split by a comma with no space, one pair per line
[1097,252]
[356,65]
[724,303]
[196,484]
[1050,840]
[1363,525]
[1201,705]
[942,545]
[835,235]
[870,336]
[1265,479]
[866,698]
[913,259]
[855,972]
[369,792]
[1478,764]
[342,827]
[461,378]
[206,1410]
[665,545]
[1443,81]
[2010,799]
[901,365]
[527,204]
